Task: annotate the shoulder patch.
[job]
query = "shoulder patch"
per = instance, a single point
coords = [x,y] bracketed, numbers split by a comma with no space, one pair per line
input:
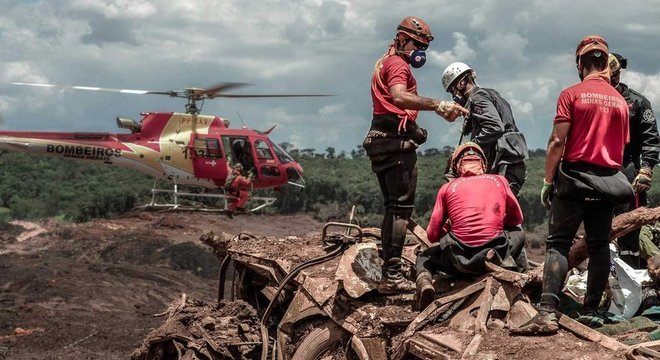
[648,116]
[477,110]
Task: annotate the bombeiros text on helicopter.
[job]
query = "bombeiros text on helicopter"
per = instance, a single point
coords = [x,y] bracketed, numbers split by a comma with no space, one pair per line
[185,148]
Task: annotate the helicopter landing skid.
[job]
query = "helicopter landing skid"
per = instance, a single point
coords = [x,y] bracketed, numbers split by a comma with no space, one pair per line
[178,195]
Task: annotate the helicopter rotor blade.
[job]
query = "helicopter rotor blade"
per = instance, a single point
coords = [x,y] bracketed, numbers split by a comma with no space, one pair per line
[190,93]
[214,90]
[270,96]
[94,88]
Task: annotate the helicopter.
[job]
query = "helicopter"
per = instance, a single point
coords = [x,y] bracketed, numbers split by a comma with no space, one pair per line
[185,148]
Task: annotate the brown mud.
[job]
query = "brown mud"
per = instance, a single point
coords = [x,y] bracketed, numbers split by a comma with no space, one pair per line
[93,290]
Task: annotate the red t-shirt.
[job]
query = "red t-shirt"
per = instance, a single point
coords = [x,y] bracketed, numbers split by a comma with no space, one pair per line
[599,123]
[394,70]
[479,207]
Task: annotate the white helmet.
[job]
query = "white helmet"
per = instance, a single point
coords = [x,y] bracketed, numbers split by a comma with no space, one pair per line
[453,72]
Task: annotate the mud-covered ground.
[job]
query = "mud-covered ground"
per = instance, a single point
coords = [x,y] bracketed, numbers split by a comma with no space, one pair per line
[90,291]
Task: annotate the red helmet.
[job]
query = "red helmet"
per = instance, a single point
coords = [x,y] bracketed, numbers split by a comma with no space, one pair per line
[416,28]
[591,43]
[466,149]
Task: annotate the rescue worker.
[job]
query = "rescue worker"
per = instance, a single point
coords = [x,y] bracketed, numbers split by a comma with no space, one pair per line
[237,186]
[490,124]
[639,157]
[582,180]
[473,213]
[394,136]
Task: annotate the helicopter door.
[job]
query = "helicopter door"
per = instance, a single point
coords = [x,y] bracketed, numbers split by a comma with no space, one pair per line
[239,148]
[208,161]
[267,164]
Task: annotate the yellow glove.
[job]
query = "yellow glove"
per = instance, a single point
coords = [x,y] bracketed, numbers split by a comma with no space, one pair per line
[642,181]
[546,192]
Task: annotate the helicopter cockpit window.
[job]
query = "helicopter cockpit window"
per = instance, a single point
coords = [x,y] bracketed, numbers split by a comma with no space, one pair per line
[207,148]
[263,150]
[281,154]
[213,148]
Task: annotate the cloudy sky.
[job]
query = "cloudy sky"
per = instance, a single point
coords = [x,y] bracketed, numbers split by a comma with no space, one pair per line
[522,48]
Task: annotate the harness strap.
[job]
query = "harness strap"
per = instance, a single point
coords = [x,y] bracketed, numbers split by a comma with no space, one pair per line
[378,88]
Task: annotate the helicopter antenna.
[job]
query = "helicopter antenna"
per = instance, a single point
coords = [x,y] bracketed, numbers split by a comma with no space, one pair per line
[240,118]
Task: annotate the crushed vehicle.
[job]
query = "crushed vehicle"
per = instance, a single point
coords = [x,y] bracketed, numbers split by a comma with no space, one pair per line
[318,297]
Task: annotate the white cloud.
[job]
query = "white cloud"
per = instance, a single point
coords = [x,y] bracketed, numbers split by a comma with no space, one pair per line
[522,48]
[647,85]
[461,51]
[331,109]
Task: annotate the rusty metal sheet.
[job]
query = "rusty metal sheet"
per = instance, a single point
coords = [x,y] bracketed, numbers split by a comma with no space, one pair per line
[500,301]
[519,314]
[369,348]
[360,269]
[320,289]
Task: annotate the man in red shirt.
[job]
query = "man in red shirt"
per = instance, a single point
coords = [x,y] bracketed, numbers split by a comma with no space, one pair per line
[473,213]
[236,185]
[582,180]
[394,137]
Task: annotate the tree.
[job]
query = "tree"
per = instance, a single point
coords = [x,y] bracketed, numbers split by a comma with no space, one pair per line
[309,152]
[431,152]
[286,146]
[330,152]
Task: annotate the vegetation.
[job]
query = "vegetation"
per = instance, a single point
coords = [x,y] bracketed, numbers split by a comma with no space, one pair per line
[37,187]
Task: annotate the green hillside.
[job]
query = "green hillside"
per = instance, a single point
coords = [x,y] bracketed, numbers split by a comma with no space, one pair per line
[38,187]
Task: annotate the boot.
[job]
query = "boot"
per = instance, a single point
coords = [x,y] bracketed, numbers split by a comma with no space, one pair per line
[543,323]
[393,279]
[425,290]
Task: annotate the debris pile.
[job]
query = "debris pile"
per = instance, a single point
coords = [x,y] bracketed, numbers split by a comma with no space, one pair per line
[196,330]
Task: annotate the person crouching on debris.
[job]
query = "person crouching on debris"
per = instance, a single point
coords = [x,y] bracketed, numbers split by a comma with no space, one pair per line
[236,186]
[582,181]
[473,213]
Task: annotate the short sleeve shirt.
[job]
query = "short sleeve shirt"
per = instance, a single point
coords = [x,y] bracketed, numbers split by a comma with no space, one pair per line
[479,207]
[599,123]
[395,70]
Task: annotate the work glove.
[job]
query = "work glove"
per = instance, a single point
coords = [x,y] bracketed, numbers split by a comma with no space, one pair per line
[546,192]
[642,181]
[450,110]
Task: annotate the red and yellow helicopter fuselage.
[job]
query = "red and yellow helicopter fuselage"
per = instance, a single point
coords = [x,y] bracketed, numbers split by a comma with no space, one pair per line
[187,149]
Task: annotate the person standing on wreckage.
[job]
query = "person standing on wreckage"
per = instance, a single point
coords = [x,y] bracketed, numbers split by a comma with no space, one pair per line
[639,157]
[582,181]
[394,137]
[490,124]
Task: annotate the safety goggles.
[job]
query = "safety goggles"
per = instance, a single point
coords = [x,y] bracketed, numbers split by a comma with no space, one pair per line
[420,45]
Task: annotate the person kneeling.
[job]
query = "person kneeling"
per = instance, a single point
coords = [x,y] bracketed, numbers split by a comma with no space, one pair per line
[473,213]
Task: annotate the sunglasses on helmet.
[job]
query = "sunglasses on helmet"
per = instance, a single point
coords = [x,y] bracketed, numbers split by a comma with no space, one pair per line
[419,45]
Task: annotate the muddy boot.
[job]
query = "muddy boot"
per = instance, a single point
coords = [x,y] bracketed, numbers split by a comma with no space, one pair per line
[393,279]
[543,323]
[425,290]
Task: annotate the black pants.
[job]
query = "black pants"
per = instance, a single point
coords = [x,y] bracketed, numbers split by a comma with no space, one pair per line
[452,257]
[566,215]
[397,177]
[629,243]
[515,175]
